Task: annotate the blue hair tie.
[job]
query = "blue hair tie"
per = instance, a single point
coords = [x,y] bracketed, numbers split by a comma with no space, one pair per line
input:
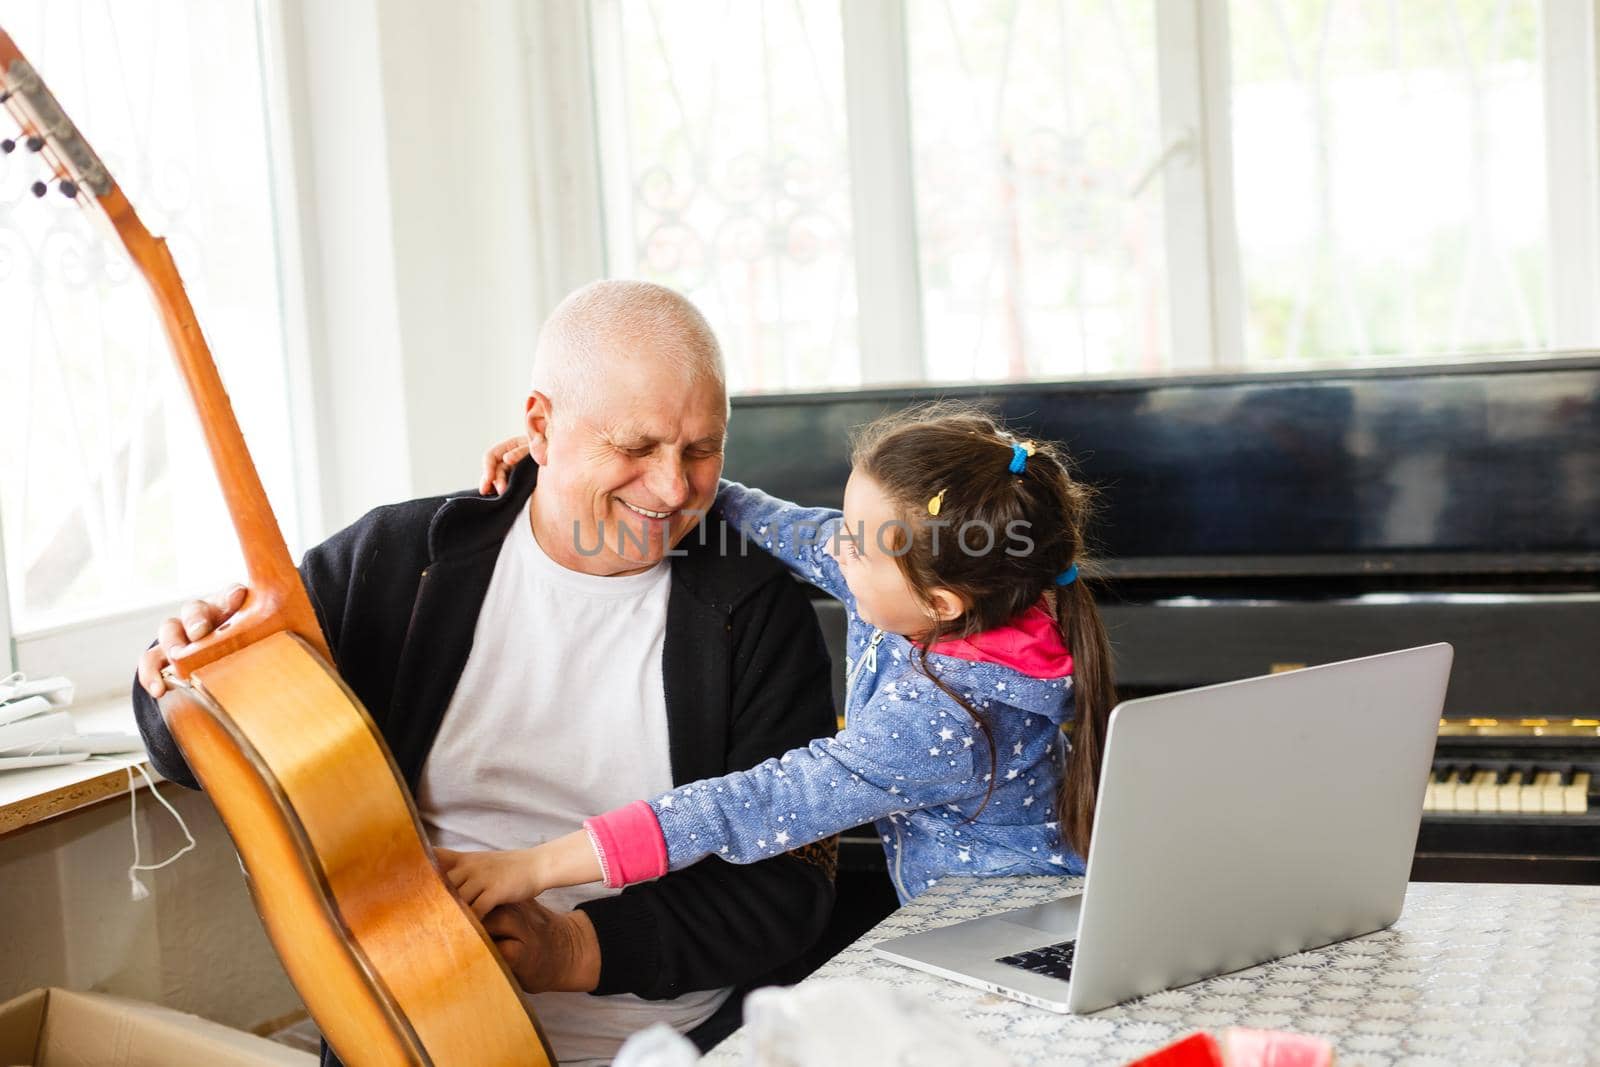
[1020,451]
[1068,576]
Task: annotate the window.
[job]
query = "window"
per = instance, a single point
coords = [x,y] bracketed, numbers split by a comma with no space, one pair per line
[1390,178]
[939,190]
[728,174]
[1030,123]
[106,492]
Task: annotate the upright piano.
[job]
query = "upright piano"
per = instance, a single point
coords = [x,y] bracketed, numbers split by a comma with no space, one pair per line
[1262,522]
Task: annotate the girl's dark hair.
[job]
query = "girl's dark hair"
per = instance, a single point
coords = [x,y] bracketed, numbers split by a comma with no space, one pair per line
[999,542]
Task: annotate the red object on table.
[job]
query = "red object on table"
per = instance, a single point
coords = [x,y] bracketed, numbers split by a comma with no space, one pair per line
[1240,1047]
[1196,1050]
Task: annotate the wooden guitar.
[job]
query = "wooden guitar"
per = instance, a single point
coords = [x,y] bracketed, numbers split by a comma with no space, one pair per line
[390,964]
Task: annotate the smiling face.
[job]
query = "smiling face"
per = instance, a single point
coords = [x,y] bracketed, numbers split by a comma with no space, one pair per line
[630,468]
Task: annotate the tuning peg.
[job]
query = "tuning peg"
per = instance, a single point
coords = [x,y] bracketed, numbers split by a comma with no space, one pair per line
[8,146]
[5,96]
[67,187]
[35,143]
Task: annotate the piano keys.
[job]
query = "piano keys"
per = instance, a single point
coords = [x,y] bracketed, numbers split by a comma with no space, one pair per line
[1512,789]
[1512,800]
[1494,766]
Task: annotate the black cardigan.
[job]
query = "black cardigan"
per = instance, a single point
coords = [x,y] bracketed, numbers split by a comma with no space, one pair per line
[746,677]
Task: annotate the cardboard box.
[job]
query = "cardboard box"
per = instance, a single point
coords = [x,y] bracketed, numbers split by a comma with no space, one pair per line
[61,1028]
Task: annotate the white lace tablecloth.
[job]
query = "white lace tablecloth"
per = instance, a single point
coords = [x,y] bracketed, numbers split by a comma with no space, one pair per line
[1471,974]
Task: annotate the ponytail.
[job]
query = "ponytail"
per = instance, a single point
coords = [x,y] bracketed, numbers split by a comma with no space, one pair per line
[1093,694]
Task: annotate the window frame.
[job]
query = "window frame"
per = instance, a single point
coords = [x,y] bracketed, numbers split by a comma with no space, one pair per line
[1196,172]
[877,99]
[6,641]
[1569,48]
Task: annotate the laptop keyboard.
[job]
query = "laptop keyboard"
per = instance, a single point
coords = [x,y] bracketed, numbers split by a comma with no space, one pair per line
[1052,960]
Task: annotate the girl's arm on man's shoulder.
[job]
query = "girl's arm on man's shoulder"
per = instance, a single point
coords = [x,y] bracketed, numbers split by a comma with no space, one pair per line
[800,538]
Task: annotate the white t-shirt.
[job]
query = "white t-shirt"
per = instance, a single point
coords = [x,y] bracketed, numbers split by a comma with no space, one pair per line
[560,714]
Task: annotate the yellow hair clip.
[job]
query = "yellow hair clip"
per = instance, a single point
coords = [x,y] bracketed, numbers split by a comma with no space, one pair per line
[937,502]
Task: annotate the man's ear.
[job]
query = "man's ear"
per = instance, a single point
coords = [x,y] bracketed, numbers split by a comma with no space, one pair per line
[537,422]
[946,605]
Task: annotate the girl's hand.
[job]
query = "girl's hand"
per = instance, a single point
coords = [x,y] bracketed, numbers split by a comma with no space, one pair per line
[498,461]
[485,880]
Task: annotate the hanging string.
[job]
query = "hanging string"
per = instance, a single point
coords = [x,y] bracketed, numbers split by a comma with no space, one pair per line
[138,890]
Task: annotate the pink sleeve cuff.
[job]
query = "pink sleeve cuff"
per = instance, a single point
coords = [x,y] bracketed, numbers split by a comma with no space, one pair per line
[629,844]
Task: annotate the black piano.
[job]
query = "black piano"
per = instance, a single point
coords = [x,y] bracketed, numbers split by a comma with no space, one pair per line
[1254,523]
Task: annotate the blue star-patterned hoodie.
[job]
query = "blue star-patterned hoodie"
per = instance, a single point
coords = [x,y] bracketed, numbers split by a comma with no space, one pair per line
[909,758]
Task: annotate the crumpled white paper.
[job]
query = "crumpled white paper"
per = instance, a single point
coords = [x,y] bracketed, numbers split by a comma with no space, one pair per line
[833,1021]
[657,1046]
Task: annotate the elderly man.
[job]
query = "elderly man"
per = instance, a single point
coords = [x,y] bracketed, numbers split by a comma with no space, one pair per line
[568,646]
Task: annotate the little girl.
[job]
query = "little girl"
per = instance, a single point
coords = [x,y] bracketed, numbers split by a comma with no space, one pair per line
[971,638]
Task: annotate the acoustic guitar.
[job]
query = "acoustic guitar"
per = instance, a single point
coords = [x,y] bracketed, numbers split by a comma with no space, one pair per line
[393,968]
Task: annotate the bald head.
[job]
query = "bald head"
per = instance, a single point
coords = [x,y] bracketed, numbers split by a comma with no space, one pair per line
[606,327]
[627,421]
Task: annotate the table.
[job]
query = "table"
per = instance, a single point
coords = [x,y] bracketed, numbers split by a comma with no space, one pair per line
[1479,974]
[39,793]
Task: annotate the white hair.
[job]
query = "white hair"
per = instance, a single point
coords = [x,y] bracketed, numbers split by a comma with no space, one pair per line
[579,341]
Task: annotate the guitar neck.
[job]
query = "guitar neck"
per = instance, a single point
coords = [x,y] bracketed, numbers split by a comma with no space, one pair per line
[278,599]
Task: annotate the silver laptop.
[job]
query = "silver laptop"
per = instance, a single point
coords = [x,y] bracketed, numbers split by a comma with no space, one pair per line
[1236,824]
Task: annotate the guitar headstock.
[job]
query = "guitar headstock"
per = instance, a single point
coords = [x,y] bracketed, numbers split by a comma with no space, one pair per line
[45,130]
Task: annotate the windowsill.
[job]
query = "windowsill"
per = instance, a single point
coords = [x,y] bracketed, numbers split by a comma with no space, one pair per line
[99,655]
[34,794]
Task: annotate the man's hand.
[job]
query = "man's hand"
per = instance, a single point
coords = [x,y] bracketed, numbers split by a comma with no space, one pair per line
[498,461]
[546,951]
[195,620]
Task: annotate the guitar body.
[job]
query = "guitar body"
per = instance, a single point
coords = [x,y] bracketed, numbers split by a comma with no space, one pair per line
[390,964]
